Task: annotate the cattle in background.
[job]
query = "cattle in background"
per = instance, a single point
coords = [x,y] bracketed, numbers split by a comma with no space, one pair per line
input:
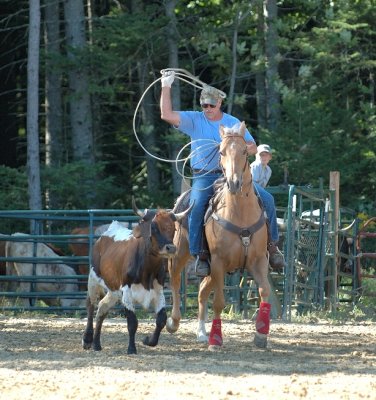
[345,243]
[28,249]
[4,284]
[80,247]
[3,269]
[128,266]
[346,251]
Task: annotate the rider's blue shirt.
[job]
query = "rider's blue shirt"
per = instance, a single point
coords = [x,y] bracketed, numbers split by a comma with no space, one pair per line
[205,137]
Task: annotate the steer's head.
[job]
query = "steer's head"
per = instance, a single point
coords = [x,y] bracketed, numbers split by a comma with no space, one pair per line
[158,227]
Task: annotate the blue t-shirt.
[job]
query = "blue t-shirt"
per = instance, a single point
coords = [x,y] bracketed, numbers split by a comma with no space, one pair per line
[205,137]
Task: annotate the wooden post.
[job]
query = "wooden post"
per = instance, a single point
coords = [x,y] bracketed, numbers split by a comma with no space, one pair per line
[334,183]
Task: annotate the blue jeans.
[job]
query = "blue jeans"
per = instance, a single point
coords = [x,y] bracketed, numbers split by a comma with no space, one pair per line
[202,190]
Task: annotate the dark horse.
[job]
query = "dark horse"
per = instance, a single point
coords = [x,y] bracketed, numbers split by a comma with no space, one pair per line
[236,233]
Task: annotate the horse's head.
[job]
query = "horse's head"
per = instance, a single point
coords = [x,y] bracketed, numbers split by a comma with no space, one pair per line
[234,156]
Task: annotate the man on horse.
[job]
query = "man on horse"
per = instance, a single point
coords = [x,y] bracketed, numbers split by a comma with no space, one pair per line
[203,127]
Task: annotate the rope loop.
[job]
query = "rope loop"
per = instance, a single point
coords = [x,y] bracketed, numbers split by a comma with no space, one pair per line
[187,77]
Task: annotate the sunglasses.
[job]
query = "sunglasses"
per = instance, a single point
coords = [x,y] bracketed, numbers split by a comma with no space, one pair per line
[208,105]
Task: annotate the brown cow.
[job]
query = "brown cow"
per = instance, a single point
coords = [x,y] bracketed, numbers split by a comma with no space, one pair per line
[128,266]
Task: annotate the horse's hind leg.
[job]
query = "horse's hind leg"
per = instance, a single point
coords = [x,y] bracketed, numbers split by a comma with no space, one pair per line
[203,295]
[175,267]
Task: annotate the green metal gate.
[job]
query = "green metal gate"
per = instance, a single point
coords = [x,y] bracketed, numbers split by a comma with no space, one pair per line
[310,281]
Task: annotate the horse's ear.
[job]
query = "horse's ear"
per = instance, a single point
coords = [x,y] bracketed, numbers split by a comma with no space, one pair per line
[242,128]
[222,131]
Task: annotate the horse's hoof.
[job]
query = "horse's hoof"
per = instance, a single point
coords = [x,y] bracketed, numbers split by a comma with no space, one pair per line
[260,340]
[202,338]
[171,326]
[214,347]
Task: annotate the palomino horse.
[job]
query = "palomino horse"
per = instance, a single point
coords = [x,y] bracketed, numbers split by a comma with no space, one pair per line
[236,233]
[238,239]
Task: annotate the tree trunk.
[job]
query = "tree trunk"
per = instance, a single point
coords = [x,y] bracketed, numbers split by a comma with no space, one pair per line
[148,129]
[33,169]
[272,78]
[230,99]
[173,62]
[260,72]
[53,138]
[79,101]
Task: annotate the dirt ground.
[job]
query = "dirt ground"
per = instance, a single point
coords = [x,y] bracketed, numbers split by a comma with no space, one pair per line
[42,358]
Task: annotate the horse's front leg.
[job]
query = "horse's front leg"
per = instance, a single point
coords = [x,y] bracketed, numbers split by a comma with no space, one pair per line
[263,317]
[215,336]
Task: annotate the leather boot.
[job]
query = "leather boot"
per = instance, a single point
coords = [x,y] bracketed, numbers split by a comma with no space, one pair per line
[202,265]
[276,259]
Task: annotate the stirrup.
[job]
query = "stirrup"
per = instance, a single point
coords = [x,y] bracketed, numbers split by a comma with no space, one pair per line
[202,267]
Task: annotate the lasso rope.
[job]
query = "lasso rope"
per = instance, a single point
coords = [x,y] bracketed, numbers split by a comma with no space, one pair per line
[187,77]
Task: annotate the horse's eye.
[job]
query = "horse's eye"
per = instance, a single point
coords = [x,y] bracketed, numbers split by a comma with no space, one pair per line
[221,153]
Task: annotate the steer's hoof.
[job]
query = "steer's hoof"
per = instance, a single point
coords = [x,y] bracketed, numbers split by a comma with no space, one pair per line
[86,345]
[150,341]
[260,340]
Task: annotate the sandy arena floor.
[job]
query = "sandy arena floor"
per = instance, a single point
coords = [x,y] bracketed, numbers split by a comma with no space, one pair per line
[42,358]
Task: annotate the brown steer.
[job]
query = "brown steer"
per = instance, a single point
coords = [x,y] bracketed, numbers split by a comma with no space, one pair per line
[128,266]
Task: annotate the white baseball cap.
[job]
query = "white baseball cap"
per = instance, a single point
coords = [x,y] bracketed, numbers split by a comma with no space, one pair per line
[264,148]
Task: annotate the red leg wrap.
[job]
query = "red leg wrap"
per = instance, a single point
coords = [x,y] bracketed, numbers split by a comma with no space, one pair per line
[263,318]
[215,337]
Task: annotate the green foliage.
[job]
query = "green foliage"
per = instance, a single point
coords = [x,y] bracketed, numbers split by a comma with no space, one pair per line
[70,184]
[13,189]
[327,67]
[327,108]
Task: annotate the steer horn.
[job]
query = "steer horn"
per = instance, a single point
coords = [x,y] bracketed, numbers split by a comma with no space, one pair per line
[136,210]
[147,215]
[181,215]
[347,228]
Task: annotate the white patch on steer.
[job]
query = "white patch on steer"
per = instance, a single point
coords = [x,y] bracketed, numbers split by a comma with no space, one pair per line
[118,232]
[128,296]
[96,287]
[138,294]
